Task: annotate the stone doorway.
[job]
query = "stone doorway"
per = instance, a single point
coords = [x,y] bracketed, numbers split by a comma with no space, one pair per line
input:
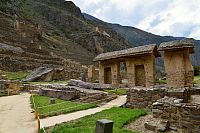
[140,75]
[108,76]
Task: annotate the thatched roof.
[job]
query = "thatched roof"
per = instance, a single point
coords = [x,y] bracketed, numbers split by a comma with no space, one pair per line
[146,49]
[177,44]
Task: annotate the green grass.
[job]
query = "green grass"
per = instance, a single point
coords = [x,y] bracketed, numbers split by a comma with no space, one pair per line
[120,117]
[120,91]
[62,108]
[15,75]
[197,79]
[3,94]
[161,81]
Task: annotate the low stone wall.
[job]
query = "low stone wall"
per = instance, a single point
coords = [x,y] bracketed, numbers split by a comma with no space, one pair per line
[60,94]
[143,97]
[140,97]
[181,93]
[184,116]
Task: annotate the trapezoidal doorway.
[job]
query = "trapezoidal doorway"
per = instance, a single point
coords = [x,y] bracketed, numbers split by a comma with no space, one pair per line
[107,76]
[140,75]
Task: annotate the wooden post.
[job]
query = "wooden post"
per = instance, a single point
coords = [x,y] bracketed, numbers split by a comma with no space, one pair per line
[38,120]
[104,126]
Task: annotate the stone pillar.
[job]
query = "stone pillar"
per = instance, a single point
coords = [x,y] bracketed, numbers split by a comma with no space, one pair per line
[101,73]
[174,68]
[189,70]
[149,67]
[115,70]
[91,73]
[130,73]
[104,126]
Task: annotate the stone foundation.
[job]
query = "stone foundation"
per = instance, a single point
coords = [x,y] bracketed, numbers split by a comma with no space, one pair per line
[185,116]
[143,97]
[60,94]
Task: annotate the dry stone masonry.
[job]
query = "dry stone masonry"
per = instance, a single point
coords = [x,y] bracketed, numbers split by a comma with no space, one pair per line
[184,116]
[140,64]
[178,66]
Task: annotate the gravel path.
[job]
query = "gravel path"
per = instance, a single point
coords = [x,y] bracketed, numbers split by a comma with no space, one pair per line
[51,121]
[16,116]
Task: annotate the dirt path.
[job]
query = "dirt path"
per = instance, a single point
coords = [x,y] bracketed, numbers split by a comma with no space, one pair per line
[51,121]
[16,116]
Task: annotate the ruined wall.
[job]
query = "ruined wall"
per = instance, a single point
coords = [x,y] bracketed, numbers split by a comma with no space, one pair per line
[73,70]
[178,68]
[185,116]
[149,67]
[143,97]
[189,70]
[143,76]
[115,71]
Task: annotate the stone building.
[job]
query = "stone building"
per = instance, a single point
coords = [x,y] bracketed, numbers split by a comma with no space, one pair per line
[178,67]
[139,62]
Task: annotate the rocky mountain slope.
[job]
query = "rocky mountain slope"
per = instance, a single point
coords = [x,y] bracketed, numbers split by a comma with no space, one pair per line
[137,37]
[38,32]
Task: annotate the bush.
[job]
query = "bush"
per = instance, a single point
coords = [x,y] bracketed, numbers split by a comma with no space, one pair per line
[196,70]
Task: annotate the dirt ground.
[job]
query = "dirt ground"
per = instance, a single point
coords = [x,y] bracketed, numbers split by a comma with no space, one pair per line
[138,125]
[16,116]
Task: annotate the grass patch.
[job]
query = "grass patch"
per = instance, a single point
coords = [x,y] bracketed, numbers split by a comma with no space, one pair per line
[2,94]
[15,75]
[57,109]
[120,91]
[161,81]
[120,117]
[196,79]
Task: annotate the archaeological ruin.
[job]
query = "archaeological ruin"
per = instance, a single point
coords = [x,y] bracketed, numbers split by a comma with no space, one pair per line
[139,62]
[178,67]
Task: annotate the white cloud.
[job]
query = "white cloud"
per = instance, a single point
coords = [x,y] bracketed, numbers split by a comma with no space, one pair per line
[171,17]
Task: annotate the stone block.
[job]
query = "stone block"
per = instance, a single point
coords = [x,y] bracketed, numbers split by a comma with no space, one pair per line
[104,126]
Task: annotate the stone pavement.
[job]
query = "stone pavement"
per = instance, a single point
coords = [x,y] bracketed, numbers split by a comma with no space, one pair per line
[15,115]
[51,121]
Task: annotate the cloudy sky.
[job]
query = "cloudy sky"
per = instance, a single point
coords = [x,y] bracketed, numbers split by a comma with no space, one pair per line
[179,18]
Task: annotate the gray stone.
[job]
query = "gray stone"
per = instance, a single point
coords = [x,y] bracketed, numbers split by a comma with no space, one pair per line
[60,94]
[149,126]
[87,85]
[157,111]
[52,101]
[45,74]
[162,129]
[104,126]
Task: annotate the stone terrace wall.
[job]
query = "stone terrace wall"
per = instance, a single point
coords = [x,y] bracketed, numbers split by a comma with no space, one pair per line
[185,116]
[139,97]
[143,97]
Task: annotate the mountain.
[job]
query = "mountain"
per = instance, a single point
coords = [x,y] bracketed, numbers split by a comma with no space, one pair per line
[38,32]
[137,37]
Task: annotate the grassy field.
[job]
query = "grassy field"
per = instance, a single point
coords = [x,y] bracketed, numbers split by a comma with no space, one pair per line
[197,79]
[14,75]
[56,109]
[120,91]
[120,117]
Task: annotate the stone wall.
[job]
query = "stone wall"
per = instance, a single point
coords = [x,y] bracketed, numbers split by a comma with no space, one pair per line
[60,94]
[178,68]
[184,116]
[143,97]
